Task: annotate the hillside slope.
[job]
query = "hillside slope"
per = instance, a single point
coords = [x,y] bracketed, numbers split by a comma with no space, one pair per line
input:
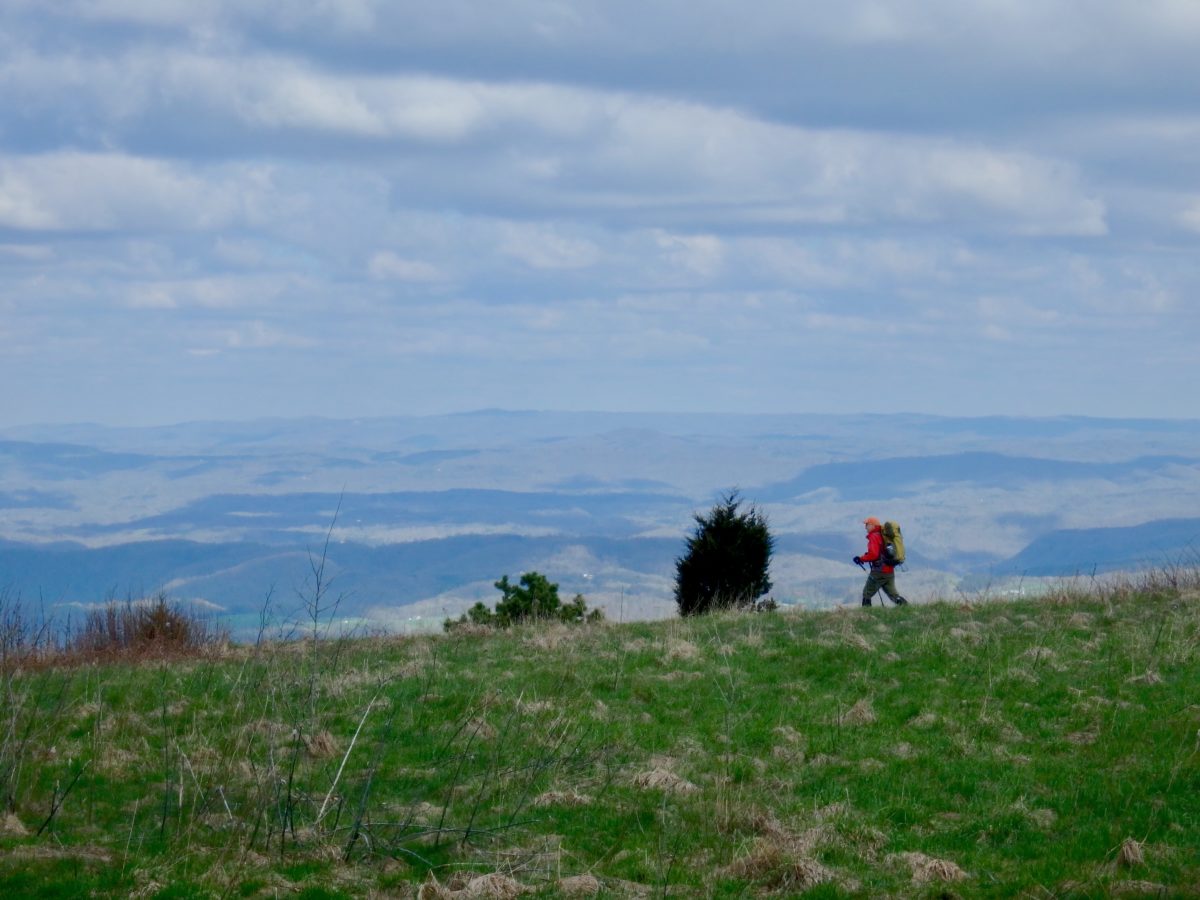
[986,749]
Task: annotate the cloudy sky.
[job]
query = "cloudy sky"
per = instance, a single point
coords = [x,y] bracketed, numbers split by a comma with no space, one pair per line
[235,208]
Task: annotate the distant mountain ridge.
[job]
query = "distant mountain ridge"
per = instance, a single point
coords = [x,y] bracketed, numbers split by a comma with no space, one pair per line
[431,510]
[896,476]
[1161,544]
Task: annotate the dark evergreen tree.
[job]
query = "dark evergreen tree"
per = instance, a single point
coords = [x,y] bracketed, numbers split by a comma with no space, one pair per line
[727,560]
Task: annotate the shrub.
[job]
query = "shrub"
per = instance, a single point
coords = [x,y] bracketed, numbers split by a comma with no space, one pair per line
[154,627]
[533,598]
[727,560]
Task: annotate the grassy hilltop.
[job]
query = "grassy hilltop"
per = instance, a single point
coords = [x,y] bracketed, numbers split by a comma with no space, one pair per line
[989,749]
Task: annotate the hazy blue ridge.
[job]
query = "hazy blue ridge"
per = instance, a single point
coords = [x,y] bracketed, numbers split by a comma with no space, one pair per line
[237,576]
[1163,543]
[901,476]
[70,572]
[32,499]
[274,517]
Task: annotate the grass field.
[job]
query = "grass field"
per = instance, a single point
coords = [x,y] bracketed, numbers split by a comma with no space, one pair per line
[1046,748]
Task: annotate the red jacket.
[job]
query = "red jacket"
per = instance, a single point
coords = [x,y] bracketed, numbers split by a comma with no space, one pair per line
[874,554]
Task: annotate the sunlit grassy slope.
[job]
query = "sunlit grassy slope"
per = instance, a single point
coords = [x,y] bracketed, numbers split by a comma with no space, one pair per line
[986,749]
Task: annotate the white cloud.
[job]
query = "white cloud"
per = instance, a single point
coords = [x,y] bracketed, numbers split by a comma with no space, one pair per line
[28,252]
[541,247]
[1190,217]
[702,254]
[258,335]
[208,292]
[387,266]
[91,191]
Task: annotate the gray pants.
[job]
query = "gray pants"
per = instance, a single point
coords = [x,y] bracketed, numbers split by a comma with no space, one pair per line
[878,581]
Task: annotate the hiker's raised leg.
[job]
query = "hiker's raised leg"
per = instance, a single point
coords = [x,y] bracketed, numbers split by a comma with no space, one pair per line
[889,588]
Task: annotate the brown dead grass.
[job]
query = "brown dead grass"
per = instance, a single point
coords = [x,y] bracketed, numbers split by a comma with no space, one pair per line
[493,886]
[1147,677]
[861,713]
[680,650]
[789,734]
[1084,738]
[562,798]
[967,635]
[579,886]
[320,745]
[481,729]
[11,825]
[660,779]
[777,867]
[1140,889]
[82,854]
[927,869]
[1132,853]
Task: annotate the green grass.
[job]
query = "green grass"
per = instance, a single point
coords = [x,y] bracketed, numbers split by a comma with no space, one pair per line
[988,749]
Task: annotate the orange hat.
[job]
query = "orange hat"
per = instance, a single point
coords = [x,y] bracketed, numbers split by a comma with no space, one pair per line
[872,521]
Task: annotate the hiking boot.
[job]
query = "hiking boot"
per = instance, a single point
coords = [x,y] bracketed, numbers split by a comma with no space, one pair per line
[900,601]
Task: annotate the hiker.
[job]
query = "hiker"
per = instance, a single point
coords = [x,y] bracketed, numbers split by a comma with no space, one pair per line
[883,573]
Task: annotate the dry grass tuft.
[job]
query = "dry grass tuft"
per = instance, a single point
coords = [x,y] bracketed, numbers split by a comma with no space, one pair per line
[789,734]
[659,779]
[562,798]
[1040,654]
[861,713]
[826,759]
[434,890]
[481,729]
[150,628]
[857,641]
[551,637]
[81,854]
[1084,738]
[844,636]
[832,811]
[1139,889]
[11,825]
[681,650]
[1022,675]
[788,753]
[777,868]
[471,629]
[926,869]
[967,636]
[1131,854]
[1042,817]
[320,745]
[579,886]
[1148,677]
[493,886]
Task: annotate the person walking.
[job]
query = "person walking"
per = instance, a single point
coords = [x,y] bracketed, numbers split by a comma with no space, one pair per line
[883,574]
